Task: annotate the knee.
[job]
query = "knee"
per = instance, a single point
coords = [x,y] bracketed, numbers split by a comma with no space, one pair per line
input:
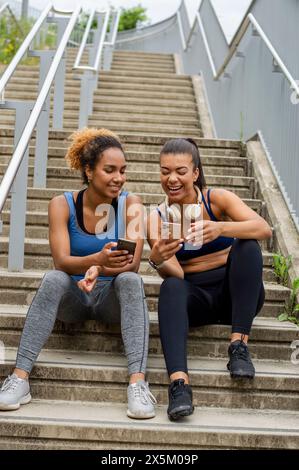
[247,246]
[56,278]
[130,280]
[172,286]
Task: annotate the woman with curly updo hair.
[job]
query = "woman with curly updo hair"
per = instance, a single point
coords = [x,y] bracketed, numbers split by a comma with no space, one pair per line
[92,279]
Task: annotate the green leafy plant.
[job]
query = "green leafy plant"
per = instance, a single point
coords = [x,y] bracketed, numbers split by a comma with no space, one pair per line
[11,38]
[291,310]
[131,16]
[281,265]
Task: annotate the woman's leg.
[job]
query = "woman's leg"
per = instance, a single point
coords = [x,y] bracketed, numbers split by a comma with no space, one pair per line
[242,294]
[241,298]
[178,299]
[57,297]
[123,300]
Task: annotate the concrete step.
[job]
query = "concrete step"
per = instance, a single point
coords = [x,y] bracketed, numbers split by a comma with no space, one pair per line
[147,66]
[134,77]
[112,98]
[190,112]
[144,129]
[136,187]
[40,247]
[133,164]
[31,84]
[146,177]
[135,140]
[141,55]
[144,118]
[152,94]
[209,342]
[140,63]
[145,60]
[105,426]
[186,89]
[96,377]
[140,153]
[37,216]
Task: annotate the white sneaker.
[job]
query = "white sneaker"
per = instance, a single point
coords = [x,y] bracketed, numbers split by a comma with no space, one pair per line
[140,401]
[14,393]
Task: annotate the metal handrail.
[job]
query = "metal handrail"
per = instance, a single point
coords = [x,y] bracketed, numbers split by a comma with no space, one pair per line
[182,35]
[113,39]
[95,67]
[22,50]
[249,20]
[6,6]
[16,159]
[84,38]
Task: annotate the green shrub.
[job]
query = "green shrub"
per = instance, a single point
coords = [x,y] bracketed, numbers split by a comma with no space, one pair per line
[131,16]
[281,266]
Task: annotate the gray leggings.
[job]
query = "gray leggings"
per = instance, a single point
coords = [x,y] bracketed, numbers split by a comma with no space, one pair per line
[121,300]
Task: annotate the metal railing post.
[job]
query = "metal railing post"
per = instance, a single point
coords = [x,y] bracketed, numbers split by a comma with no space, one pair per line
[58,98]
[18,200]
[42,127]
[27,117]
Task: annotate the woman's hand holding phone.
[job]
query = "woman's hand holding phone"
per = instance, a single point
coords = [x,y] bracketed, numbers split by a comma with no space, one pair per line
[164,249]
[109,258]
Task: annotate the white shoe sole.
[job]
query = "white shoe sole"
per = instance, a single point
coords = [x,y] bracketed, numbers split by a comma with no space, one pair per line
[15,406]
[144,416]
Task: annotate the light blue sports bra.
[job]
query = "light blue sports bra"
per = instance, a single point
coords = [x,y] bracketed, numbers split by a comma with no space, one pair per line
[85,244]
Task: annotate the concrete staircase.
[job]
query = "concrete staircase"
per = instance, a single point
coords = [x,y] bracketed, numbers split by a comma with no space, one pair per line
[79,381]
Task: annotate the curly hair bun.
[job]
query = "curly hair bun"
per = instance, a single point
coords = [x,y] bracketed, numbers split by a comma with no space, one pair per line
[81,141]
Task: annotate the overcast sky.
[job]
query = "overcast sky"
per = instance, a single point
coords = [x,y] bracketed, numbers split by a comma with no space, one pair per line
[230,12]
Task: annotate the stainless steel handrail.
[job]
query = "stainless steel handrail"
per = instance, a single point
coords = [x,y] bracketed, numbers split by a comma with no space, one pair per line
[22,50]
[6,6]
[249,20]
[95,67]
[182,36]
[113,39]
[16,159]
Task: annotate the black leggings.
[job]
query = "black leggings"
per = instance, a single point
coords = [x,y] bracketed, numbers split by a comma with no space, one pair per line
[230,295]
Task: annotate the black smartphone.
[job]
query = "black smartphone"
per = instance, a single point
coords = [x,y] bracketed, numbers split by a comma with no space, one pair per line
[128,245]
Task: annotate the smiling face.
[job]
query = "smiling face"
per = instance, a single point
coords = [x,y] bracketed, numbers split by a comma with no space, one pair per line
[108,176]
[178,176]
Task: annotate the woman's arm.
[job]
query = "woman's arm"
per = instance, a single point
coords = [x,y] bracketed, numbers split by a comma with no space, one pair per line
[161,249]
[134,219]
[60,243]
[245,223]
[58,213]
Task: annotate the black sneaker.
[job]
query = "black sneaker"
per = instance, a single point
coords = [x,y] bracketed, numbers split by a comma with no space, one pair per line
[240,364]
[180,400]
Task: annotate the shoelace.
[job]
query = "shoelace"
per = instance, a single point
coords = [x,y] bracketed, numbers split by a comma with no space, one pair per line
[142,391]
[9,384]
[178,389]
[241,351]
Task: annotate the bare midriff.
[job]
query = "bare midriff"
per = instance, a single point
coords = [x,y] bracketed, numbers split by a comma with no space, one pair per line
[206,262]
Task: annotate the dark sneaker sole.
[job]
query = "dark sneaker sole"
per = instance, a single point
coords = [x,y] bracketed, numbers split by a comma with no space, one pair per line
[240,374]
[180,412]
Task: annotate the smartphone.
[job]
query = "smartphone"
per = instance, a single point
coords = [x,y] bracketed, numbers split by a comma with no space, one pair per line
[170,230]
[128,245]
